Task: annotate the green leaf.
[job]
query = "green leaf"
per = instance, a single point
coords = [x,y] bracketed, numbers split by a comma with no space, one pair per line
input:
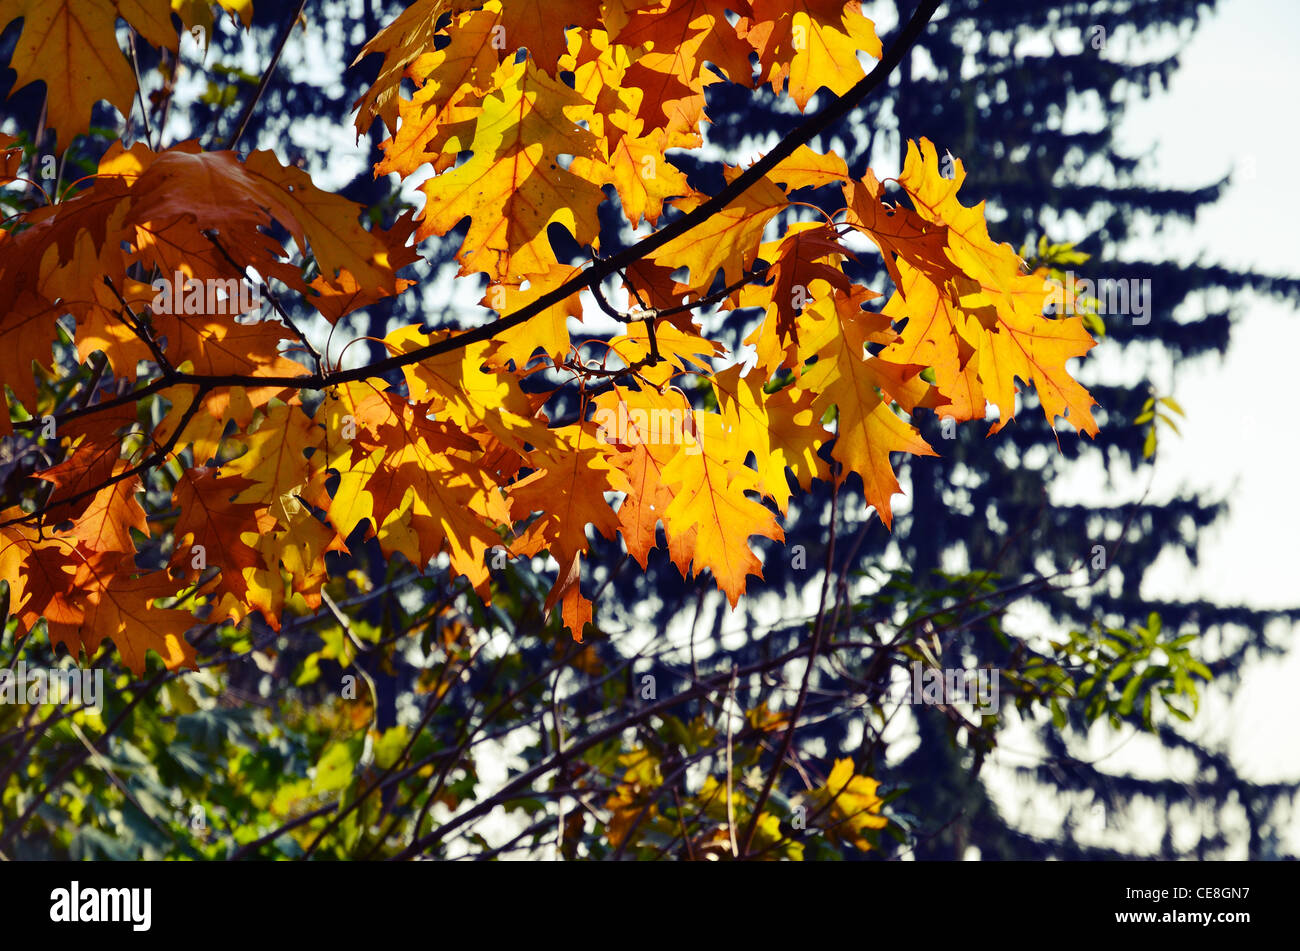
[1149,446]
[337,764]
[1130,694]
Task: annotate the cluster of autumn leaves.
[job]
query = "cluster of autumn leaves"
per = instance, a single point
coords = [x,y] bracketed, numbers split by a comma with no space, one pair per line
[266,477]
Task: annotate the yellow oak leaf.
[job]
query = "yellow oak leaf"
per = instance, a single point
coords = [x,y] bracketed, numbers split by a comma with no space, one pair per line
[781,429]
[709,484]
[1012,335]
[548,331]
[474,394]
[861,388]
[71,46]
[806,168]
[276,463]
[811,43]
[451,83]
[726,241]
[513,187]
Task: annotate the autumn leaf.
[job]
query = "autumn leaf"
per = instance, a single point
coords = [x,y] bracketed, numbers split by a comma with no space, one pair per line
[445,501]
[512,187]
[693,31]
[648,429]
[567,493]
[27,332]
[811,44]
[781,429]
[728,241]
[852,804]
[122,608]
[90,465]
[807,168]
[221,532]
[39,569]
[71,47]
[548,331]
[710,487]
[1012,336]
[861,388]
[810,252]
[275,461]
[522,436]
[113,511]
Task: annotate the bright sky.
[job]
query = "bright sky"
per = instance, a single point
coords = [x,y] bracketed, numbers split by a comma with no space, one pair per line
[1229,108]
[1225,111]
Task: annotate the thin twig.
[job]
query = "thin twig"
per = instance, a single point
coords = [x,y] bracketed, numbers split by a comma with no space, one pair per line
[212,235]
[788,739]
[266,77]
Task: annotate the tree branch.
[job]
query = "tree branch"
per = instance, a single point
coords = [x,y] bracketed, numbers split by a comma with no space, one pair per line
[266,77]
[604,267]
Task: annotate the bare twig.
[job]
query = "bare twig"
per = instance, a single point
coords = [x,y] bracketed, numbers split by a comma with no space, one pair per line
[238,132]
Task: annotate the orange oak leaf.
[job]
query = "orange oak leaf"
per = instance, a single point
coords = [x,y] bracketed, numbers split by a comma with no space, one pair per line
[442,499]
[568,490]
[221,532]
[648,429]
[90,465]
[810,252]
[861,387]
[27,332]
[709,485]
[39,570]
[512,187]
[121,607]
[898,232]
[1010,332]
[71,46]
[114,510]
[693,31]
